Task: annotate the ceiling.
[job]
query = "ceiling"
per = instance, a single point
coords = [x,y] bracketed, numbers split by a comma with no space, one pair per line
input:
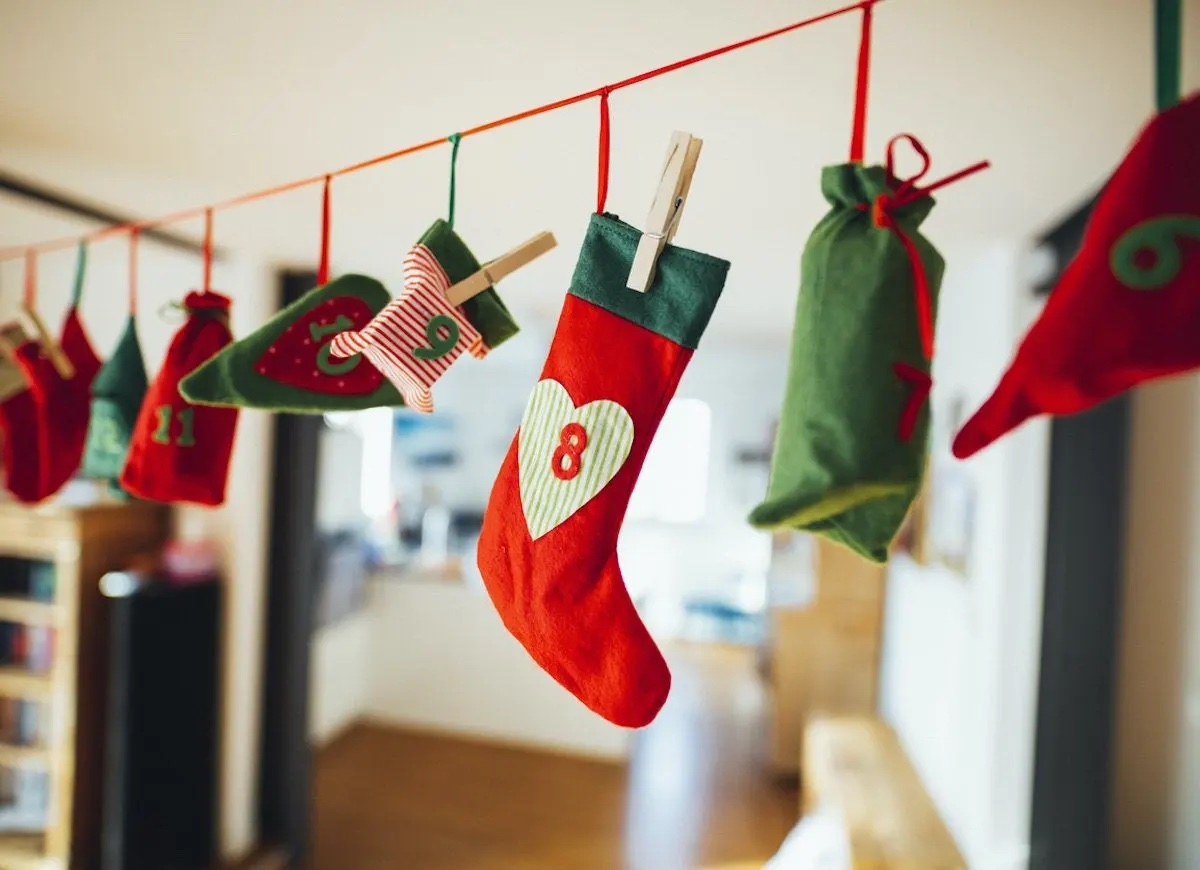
[150,107]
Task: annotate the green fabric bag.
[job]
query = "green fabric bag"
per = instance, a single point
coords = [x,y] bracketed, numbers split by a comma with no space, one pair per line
[285,365]
[117,394]
[841,468]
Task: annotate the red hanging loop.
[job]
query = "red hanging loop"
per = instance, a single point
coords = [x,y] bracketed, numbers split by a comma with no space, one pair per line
[134,232]
[30,277]
[323,268]
[858,135]
[208,237]
[603,156]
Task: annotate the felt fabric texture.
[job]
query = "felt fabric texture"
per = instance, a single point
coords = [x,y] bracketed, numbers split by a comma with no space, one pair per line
[547,550]
[117,394]
[1127,308]
[180,452]
[19,421]
[417,336]
[287,364]
[840,468]
[64,406]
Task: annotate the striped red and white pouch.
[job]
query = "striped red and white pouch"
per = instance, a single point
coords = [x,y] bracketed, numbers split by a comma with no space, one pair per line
[418,335]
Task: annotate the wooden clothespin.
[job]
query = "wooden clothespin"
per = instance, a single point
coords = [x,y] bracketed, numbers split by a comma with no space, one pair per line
[12,376]
[500,267]
[666,209]
[50,347]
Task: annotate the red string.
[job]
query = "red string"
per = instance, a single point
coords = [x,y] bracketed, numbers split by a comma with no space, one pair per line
[858,135]
[602,169]
[882,211]
[208,237]
[323,268]
[191,213]
[30,278]
[134,232]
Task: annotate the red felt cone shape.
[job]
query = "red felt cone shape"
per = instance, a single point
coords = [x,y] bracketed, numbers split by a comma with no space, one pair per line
[1127,308]
[180,452]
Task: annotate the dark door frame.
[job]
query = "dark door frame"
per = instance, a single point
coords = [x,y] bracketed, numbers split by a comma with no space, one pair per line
[1084,567]
[285,767]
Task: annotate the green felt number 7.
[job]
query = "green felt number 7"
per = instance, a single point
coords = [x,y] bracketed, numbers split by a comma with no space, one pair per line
[439,345]
[187,434]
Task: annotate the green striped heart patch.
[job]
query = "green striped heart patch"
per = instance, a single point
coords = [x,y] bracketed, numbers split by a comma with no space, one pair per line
[566,455]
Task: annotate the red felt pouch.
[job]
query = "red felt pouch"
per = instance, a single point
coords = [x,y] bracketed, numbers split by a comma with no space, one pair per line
[180,452]
[19,422]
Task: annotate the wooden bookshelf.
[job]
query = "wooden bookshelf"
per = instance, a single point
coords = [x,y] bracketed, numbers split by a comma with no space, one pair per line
[82,544]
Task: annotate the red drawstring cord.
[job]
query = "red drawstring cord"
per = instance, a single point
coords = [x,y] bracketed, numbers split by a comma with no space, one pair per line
[30,278]
[133,269]
[603,154]
[208,238]
[882,211]
[323,268]
[858,134]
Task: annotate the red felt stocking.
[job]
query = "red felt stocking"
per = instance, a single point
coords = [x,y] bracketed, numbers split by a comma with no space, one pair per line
[1127,308]
[180,451]
[547,551]
[63,405]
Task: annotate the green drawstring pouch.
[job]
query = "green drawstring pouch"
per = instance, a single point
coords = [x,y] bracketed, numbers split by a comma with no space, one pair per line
[117,394]
[853,431]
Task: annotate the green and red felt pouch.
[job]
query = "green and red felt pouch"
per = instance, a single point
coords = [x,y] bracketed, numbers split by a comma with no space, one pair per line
[850,451]
[1127,308]
[180,452]
[287,364]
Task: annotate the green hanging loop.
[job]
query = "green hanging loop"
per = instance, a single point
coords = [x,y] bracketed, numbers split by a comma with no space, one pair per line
[80,269]
[1168,52]
[454,139]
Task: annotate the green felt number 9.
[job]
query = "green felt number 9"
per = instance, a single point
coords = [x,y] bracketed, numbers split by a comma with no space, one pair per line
[438,345]
[1160,236]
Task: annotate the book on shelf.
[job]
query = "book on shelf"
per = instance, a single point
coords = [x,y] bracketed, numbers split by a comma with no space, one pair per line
[32,579]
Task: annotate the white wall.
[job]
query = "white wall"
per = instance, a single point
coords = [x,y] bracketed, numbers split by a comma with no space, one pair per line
[240,526]
[1156,777]
[960,656]
[339,676]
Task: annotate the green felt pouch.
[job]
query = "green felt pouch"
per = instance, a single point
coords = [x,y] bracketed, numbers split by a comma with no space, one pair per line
[840,468]
[117,394]
[285,364]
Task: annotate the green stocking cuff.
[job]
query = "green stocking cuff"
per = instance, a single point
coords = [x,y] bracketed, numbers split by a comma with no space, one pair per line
[679,303]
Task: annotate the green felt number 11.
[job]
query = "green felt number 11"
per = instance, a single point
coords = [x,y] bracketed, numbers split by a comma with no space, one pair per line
[186,417]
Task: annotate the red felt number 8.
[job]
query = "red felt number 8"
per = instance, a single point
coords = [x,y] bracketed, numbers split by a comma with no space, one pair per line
[567,455]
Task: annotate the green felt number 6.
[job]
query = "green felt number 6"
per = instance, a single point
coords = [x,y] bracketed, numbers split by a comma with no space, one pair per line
[1160,236]
[438,346]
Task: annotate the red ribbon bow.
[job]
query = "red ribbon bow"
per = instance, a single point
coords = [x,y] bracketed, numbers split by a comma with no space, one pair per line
[882,210]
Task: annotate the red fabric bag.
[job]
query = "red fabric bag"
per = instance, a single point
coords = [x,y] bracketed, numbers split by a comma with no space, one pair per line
[179,451]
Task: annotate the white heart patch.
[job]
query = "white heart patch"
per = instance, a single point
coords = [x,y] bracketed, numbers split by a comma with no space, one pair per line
[566,455]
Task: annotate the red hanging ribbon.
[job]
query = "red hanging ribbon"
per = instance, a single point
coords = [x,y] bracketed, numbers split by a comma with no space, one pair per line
[323,268]
[30,277]
[602,168]
[208,238]
[882,211]
[858,134]
[134,233]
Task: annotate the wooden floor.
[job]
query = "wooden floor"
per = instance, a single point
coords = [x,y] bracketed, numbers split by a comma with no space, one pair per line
[693,796]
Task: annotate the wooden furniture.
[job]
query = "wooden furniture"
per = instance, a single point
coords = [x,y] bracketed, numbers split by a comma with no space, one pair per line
[824,658]
[855,767]
[81,544]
